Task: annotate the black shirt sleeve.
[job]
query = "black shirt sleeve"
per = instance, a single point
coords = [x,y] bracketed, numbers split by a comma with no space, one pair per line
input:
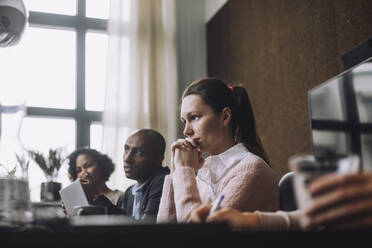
[111,208]
[153,200]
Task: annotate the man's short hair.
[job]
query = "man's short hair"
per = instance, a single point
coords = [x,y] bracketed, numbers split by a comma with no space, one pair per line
[157,139]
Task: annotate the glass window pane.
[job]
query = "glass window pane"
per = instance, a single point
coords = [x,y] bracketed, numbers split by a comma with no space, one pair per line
[96,63]
[65,7]
[326,101]
[96,136]
[10,144]
[367,152]
[125,93]
[330,142]
[97,9]
[363,93]
[101,9]
[41,134]
[41,68]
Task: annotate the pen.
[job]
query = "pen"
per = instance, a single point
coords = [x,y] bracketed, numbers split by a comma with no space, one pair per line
[216,205]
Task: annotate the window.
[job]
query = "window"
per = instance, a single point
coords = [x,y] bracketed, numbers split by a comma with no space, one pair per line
[44,67]
[65,7]
[95,70]
[96,135]
[97,9]
[59,70]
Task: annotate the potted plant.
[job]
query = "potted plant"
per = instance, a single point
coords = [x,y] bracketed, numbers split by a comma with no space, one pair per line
[21,160]
[9,173]
[50,165]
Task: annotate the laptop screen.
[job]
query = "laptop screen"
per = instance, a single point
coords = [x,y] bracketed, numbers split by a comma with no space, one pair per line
[341,115]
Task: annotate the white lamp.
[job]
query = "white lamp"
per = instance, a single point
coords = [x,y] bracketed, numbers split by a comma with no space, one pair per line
[13,19]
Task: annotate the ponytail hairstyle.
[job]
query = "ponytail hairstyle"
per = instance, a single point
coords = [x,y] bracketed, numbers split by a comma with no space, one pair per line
[217,94]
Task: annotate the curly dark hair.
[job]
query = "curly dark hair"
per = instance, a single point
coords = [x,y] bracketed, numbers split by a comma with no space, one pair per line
[105,164]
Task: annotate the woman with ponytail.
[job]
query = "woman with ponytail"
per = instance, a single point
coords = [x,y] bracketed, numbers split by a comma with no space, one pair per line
[219,124]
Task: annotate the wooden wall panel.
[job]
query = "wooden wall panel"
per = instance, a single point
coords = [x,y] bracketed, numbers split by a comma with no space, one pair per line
[279,50]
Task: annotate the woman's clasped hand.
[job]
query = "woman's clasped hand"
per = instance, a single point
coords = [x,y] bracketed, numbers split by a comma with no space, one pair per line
[186,152]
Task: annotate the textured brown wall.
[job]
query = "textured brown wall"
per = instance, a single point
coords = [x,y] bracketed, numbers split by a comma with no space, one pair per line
[279,49]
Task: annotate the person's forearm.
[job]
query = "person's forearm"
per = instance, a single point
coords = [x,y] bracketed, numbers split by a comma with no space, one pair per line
[186,193]
[279,220]
[167,209]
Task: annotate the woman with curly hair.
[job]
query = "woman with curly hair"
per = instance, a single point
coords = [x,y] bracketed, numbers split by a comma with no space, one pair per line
[93,169]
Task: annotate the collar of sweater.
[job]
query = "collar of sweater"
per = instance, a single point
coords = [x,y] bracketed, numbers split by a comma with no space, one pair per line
[217,166]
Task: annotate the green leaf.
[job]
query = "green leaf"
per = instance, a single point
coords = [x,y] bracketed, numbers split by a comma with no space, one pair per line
[51,164]
[22,162]
[40,161]
[13,171]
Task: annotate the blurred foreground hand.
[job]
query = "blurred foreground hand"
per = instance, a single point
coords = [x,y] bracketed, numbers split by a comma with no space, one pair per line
[341,201]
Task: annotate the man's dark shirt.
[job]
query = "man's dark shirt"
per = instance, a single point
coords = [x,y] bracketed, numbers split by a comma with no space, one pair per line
[152,191]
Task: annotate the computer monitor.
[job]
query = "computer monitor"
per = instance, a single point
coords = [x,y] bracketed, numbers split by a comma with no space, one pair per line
[341,114]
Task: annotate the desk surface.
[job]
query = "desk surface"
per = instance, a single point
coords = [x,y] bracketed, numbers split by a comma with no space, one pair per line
[174,235]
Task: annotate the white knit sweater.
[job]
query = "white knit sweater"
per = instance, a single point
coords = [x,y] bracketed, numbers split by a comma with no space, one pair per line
[247,182]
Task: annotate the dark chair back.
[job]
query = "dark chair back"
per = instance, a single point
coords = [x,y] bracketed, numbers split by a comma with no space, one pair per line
[286,192]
